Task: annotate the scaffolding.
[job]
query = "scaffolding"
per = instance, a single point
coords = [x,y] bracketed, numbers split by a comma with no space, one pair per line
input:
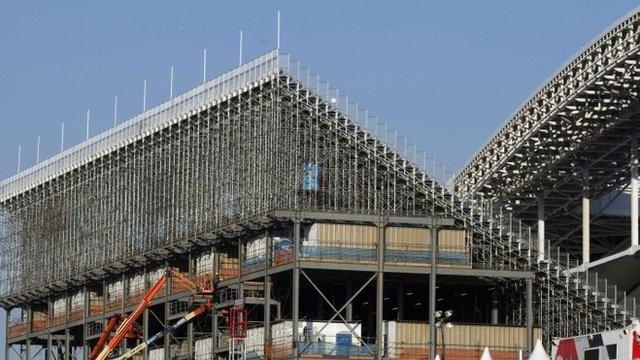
[270,142]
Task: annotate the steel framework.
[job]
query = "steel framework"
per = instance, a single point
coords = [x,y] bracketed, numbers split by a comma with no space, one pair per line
[274,139]
[575,134]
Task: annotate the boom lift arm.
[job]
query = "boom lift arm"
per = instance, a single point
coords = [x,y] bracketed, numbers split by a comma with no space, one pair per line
[195,313]
[130,321]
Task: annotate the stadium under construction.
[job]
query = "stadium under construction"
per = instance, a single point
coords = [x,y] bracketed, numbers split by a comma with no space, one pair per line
[265,215]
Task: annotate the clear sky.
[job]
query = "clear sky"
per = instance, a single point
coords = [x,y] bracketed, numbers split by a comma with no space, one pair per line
[445,74]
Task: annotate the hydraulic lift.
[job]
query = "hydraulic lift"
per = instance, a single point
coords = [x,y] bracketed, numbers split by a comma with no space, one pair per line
[102,351]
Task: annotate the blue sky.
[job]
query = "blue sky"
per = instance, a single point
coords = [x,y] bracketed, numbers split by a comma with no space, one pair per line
[445,74]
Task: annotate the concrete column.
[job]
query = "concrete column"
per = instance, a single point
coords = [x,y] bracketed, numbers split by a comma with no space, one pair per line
[433,241]
[295,304]
[541,239]
[380,293]
[529,341]
[586,217]
[634,191]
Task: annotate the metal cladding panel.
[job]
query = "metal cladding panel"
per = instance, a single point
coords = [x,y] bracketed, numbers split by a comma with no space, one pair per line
[342,235]
[417,333]
[400,238]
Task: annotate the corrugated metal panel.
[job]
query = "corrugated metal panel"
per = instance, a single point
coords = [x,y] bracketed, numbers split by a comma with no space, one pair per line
[453,239]
[466,335]
[400,238]
[356,236]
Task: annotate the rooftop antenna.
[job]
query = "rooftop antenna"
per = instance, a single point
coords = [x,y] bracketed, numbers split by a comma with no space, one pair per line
[115,110]
[278,33]
[204,67]
[88,119]
[19,157]
[144,96]
[171,85]
[240,59]
[62,138]
[38,150]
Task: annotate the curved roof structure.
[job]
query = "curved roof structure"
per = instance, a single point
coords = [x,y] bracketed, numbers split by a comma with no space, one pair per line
[576,130]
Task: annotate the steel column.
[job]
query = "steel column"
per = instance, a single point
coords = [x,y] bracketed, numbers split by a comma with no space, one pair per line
[295,311]
[634,191]
[433,243]
[267,295]
[586,218]
[380,292]
[529,342]
[541,218]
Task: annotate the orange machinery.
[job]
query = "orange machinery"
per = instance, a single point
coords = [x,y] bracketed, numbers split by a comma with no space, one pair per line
[101,352]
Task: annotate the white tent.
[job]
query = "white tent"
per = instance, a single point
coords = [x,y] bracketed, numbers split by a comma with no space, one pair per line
[485,354]
[538,352]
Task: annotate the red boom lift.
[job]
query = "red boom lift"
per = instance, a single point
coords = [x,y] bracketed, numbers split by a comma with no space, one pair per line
[101,352]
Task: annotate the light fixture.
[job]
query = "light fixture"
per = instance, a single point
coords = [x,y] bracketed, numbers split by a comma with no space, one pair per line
[409,293]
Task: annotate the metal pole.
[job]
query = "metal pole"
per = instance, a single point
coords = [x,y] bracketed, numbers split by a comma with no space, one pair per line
[541,227]
[240,57]
[115,110]
[204,67]
[267,296]
[634,191]
[19,157]
[380,292]
[171,84]
[586,207]
[278,33]
[144,96]
[38,150]
[295,311]
[433,238]
[529,342]
[88,119]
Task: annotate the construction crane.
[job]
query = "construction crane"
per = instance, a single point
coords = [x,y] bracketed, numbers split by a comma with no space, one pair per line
[195,313]
[129,322]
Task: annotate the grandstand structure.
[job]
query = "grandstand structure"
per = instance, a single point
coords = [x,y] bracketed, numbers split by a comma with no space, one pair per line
[338,243]
[567,161]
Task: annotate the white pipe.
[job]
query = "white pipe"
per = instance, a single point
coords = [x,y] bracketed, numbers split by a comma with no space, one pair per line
[586,218]
[240,58]
[541,241]
[278,32]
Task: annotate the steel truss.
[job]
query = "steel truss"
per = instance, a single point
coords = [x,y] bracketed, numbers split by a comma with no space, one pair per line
[582,121]
[233,167]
